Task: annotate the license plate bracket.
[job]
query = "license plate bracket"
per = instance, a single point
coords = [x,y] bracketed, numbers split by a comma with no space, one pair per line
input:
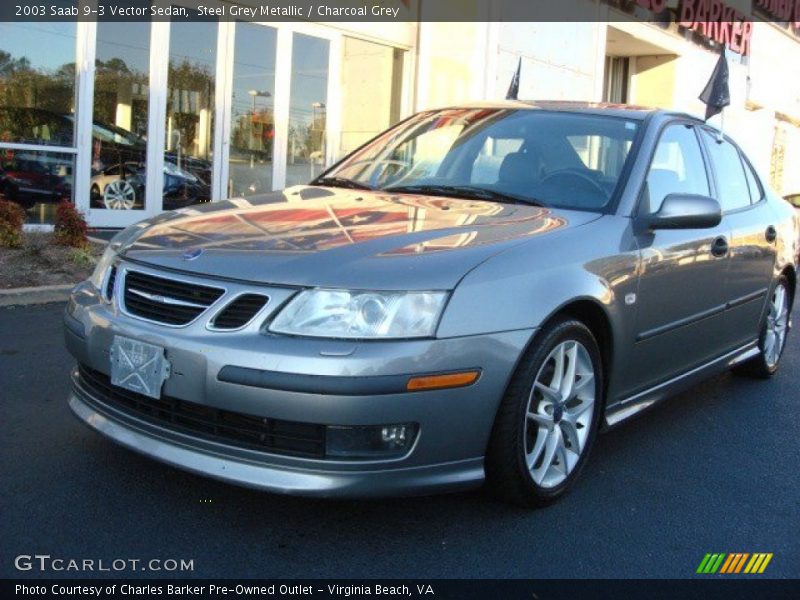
[138,366]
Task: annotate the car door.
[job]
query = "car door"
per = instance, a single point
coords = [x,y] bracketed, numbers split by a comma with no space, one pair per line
[752,241]
[681,298]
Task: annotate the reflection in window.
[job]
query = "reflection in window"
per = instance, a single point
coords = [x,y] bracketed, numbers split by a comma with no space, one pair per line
[732,189]
[677,168]
[252,111]
[190,112]
[119,148]
[523,153]
[486,168]
[37,83]
[37,104]
[307,109]
[756,192]
[36,180]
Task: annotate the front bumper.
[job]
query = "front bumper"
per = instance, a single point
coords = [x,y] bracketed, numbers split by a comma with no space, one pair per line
[454,424]
[259,473]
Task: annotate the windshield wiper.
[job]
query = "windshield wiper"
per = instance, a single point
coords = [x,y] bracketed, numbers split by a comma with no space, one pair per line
[342,182]
[464,191]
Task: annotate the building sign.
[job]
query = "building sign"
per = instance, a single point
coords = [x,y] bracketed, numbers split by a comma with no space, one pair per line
[717,21]
[709,20]
[787,11]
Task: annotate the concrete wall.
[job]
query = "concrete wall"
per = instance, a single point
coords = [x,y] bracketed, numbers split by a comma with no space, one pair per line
[653,80]
[774,95]
[559,60]
[461,62]
[369,78]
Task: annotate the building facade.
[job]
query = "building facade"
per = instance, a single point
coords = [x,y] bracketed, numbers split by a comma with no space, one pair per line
[129,119]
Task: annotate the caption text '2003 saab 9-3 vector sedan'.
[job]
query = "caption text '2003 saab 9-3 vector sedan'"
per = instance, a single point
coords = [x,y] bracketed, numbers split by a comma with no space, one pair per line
[470,296]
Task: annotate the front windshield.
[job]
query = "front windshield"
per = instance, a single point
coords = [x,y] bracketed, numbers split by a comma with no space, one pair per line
[558,159]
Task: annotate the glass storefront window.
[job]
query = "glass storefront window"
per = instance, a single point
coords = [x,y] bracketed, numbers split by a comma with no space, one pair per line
[190,113]
[37,107]
[372,80]
[119,145]
[307,109]
[252,127]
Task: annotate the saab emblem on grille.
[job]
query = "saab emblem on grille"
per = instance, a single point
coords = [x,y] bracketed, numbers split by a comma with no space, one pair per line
[192,254]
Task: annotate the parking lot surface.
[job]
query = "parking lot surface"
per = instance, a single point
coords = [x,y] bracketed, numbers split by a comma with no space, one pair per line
[712,470]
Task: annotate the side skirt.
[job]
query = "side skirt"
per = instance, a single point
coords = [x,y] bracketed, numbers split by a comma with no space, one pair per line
[635,404]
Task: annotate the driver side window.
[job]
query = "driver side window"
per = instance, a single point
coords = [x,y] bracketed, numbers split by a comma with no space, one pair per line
[677,167]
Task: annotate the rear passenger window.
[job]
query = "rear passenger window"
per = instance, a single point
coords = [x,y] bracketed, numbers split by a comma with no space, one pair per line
[677,168]
[733,190]
[756,191]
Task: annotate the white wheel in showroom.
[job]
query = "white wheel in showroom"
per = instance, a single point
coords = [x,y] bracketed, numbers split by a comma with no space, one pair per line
[119,195]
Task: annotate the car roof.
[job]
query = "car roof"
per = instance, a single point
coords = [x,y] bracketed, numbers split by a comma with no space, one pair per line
[627,111]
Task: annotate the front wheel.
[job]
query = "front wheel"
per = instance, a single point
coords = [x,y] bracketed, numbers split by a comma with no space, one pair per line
[774,330]
[548,418]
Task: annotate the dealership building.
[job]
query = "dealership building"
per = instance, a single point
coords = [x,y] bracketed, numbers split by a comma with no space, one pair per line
[130,119]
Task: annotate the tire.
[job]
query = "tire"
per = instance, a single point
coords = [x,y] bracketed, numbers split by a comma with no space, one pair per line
[96,198]
[549,428]
[774,330]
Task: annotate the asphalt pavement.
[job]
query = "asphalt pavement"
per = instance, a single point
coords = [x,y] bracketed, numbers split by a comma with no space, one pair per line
[712,470]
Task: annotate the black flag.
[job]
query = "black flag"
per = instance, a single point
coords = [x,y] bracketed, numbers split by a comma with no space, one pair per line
[716,94]
[513,89]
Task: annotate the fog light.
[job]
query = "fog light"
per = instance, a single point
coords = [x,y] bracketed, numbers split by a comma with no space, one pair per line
[370,441]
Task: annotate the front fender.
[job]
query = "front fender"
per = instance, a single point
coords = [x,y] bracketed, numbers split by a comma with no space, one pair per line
[525,285]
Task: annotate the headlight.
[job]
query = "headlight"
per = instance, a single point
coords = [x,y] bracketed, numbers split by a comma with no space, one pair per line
[357,314]
[103,264]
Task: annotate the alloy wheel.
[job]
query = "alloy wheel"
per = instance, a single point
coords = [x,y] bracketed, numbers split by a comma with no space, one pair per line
[777,325]
[559,414]
[119,195]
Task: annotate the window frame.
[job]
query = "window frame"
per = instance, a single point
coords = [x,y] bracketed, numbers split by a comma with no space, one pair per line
[712,132]
[638,211]
[759,184]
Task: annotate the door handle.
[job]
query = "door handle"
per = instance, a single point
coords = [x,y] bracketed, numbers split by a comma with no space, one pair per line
[771,234]
[719,247]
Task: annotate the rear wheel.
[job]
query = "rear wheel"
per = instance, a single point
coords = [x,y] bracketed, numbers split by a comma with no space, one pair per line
[547,421]
[774,330]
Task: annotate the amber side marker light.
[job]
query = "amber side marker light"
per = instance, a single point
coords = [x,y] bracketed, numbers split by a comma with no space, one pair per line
[445,380]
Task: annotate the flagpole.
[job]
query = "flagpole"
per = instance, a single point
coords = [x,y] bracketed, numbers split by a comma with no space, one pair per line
[721,136]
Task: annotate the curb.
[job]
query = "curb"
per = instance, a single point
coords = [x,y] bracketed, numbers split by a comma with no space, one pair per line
[35,295]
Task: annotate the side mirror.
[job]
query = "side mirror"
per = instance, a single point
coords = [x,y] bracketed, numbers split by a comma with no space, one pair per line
[686,211]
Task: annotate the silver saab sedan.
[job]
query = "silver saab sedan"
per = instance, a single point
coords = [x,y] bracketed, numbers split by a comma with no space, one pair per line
[470,296]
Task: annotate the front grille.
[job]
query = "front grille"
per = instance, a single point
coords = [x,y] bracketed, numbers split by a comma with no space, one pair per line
[167,300]
[239,312]
[238,429]
[112,278]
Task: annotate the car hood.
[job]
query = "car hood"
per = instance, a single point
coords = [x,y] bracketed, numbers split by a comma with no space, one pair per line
[326,237]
